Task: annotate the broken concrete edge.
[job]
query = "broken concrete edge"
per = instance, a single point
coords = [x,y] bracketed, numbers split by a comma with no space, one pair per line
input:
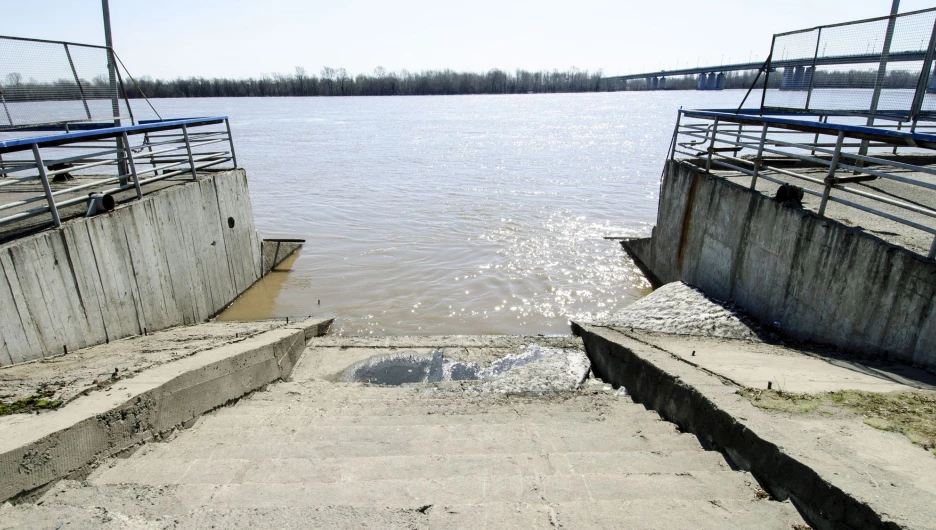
[44,448]
[275,251]
[695,400]
[638,247]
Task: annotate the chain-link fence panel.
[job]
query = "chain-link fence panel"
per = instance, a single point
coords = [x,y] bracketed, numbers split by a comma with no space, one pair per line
[876,67]
[46,82]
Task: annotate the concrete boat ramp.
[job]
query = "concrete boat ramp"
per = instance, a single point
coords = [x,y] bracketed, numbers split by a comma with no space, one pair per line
[558,449]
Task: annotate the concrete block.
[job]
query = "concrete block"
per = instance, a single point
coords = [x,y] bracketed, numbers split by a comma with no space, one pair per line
[274,251]
[52,445]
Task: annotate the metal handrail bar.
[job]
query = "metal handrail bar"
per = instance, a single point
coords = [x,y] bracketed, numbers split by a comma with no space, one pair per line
[126,157]
[913,208]
[860,132]
[176,135]
[863,158]
[94,163]
[127,186]
[112,132]
[183,171]
[846,202]
[816,147]
[734,138]
[867,195]
[167,166]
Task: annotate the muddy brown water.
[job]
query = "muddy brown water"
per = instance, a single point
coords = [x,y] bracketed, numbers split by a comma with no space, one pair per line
[452,215]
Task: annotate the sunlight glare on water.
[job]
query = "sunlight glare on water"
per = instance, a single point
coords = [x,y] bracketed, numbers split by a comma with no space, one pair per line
[454,215]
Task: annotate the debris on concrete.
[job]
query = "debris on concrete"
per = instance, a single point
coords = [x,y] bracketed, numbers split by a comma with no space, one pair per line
[678,308]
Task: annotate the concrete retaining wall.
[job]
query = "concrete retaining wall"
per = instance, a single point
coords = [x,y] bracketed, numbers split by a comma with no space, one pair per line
[171,259]
[819,279]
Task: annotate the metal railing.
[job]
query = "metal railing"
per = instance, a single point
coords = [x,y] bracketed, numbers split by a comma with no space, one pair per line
[37,171]
[791,151]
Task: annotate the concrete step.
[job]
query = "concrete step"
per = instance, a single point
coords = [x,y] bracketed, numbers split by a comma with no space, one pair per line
[424,416]
[248,446]
[206,484]
[161,467]
[397,403]
[630,514]
[259,429]
[633,514]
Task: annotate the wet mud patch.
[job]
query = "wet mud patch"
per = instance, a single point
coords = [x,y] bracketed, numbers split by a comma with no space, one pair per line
[534,368]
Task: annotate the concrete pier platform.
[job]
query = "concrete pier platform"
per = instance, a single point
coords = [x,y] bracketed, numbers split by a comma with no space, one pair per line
[323,450]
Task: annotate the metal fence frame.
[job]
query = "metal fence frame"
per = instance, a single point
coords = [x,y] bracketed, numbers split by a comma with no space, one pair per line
[913,114]
[169,148]
[117,89]
[718,138]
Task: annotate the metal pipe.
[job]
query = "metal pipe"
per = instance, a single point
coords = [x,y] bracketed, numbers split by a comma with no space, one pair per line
[188,149]
[812,69]
[757,159]
[227,124]
[133,171]
[708,163]
[828,179]
[56,222]
[767,74]
[84,99]
[923,81]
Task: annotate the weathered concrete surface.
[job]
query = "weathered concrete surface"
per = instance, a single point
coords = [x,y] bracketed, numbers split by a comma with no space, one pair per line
[38,449]
[840,473]
[66,377]
[170,259]
[816,279]
[754,364]
[723,340]
[316,452]
[274,251]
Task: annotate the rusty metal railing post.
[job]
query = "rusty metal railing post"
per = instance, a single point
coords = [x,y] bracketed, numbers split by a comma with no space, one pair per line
[757,159]
[830,178]
[129,154]
[188,149]
[711,149]
[46,187]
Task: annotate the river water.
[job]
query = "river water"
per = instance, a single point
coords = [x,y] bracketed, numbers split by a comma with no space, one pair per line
[452,215]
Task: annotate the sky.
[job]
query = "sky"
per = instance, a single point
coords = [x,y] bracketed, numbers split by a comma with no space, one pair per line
[249,38]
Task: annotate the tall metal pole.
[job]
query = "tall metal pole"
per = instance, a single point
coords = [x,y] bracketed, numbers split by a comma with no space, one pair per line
[111,69]
[882,72]
[112,81]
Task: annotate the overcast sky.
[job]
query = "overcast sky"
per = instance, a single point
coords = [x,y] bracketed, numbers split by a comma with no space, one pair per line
[240,38]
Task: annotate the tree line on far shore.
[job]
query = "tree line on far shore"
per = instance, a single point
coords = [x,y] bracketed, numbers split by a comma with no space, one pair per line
[337,82]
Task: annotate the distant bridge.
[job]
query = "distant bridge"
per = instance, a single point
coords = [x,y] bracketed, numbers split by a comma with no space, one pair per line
[796,72]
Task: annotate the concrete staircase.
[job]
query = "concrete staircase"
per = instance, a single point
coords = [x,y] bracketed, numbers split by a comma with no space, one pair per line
[317,453]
